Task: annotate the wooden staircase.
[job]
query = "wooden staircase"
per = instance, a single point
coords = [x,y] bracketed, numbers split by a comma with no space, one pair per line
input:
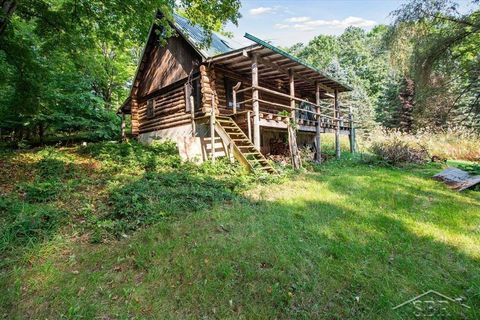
[240,146]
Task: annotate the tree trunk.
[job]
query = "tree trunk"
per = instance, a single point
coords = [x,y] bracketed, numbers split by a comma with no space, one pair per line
[8,7]
[41,132]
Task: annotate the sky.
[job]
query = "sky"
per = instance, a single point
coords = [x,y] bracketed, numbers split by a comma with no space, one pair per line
[286,22]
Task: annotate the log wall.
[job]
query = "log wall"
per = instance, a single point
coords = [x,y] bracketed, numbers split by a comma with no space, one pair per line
[169,111]
[208,87]
[161,74]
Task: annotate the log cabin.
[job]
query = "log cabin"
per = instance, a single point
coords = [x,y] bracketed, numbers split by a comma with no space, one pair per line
[246,103]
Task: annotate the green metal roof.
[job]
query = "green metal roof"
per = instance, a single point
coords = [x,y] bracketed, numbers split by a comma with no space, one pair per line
[199,38]
[289,56]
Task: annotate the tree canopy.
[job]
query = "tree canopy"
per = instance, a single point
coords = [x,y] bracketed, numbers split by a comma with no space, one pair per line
[65,66]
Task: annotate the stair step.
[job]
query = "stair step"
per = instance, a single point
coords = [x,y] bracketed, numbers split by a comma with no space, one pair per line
[266,168]
[258,160]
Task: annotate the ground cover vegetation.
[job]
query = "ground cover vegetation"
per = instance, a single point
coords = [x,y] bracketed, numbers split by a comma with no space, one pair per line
[114,230]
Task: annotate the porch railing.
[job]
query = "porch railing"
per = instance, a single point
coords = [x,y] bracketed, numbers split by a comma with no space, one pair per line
[324,115]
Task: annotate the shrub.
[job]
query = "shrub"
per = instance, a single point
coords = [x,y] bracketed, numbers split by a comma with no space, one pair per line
[51,168]
[397,152]
[133,155]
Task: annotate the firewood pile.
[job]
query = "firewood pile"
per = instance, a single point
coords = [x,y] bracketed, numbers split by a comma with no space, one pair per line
[279,147]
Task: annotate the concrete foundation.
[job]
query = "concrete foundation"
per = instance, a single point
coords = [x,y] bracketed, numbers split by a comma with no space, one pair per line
[191,148]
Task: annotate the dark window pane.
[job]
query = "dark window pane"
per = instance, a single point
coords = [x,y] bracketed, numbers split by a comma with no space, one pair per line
[150,109]
[229,84]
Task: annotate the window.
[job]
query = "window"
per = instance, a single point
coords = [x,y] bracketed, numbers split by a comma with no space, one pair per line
[229,84]
[150,109]
[193,90]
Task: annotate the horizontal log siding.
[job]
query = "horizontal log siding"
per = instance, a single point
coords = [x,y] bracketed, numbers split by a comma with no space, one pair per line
[208,87]
[169,111]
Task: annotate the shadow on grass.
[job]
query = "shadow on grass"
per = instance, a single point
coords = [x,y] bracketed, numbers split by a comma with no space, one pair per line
[413,194]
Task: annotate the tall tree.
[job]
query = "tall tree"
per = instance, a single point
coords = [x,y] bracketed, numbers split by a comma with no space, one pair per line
[436,45]
[356,57]
[66,63]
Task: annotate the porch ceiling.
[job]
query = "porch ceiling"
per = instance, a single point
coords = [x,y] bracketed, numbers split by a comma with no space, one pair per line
[274,65]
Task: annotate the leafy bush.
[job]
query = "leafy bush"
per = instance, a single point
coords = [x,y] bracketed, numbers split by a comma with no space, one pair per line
[132,185]
[155,183]
[396,152]
[133,155]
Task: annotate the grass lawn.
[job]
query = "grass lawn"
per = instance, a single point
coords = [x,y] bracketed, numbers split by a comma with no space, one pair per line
[119,232]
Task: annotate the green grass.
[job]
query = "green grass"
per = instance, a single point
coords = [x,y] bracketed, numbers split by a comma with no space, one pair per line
[130,232]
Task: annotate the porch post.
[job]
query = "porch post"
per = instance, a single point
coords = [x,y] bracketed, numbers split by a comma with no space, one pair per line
[352,132]
[256,107]
[192,114]
[234,100]
[337,129]
[249,124]
[234,96]
[212,129]
[318,154]
[292,93]
[292,132]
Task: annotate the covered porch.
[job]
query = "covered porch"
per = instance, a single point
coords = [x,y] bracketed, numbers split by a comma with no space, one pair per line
[274,90]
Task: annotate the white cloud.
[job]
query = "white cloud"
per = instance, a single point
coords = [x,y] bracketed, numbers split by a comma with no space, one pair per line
[358,22]
[298,19]
[261,10]
[281,26]
[303,27]
[309,25]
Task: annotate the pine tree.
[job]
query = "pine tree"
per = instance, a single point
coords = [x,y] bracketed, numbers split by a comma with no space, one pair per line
[407,102]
